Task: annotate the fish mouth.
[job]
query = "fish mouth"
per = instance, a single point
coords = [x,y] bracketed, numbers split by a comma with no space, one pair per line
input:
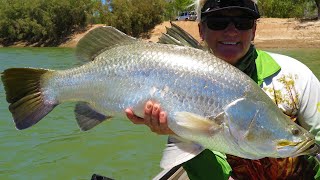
[308,147]
[313,149]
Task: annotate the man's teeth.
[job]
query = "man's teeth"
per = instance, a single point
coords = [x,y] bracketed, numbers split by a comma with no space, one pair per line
[230,43]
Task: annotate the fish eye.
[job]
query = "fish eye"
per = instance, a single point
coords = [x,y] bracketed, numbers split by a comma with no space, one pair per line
[295,131]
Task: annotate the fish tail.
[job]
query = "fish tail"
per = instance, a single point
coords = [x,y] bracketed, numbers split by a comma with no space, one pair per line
[23,93]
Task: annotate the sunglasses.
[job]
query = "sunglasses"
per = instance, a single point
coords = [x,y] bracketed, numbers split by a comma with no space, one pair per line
[221,23]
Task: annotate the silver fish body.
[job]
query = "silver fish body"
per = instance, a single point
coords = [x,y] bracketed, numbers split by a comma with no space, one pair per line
[208,101]
[181,79]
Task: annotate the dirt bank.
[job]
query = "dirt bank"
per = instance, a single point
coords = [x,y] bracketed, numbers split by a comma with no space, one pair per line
[271,33]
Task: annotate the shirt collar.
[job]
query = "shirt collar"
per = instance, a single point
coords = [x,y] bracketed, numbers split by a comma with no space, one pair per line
[266,66]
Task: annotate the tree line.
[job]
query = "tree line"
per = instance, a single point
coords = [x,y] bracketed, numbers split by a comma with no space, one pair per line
[42,21]
[290,8]
[50,22]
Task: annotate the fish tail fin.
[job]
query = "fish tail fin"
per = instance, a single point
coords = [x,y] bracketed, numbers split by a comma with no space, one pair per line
[23,93]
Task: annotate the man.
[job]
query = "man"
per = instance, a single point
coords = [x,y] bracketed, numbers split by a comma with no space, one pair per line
[228,28]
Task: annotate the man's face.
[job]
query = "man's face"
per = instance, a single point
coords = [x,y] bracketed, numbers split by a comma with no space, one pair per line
[229,44]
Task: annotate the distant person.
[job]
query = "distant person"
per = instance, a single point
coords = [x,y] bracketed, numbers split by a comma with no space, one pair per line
[228,28]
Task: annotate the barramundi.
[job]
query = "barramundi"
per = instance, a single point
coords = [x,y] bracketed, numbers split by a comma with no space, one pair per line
[210,103]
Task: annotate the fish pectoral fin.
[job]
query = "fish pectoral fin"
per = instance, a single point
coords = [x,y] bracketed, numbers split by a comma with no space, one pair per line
[87,117]
[198,123]
[178,152]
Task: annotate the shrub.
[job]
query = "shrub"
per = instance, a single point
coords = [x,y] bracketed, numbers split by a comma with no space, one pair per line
[136,17]
[41,21]
[285,8]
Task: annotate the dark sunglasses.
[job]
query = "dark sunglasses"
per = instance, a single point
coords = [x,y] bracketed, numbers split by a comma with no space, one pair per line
[221,23]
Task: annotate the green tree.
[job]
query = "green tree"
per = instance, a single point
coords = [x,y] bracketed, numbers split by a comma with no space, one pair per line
[318,7]
[44,22]
[174,7]
[183,5]
[100,13]
[136,17]
[286,8]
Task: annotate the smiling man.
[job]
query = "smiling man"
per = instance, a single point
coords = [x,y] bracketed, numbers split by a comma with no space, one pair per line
[228,28]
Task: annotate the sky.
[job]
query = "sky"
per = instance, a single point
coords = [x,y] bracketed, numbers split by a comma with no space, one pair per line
[104,1]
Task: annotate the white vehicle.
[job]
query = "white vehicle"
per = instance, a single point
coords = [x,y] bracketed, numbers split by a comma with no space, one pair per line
[187,16]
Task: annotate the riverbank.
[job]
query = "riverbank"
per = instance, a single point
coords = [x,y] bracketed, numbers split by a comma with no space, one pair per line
[271,33]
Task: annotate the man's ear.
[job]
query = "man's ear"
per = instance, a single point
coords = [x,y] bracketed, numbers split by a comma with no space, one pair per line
[201,30]
[254,28]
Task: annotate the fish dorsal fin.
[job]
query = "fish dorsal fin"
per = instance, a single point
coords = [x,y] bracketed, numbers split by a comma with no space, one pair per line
[178,36]
[99,40]
[87,117]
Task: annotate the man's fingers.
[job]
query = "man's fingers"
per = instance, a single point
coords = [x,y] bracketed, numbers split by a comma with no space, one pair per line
[163,119]
[155,118]
[163,123]
[147,113]
[133,118]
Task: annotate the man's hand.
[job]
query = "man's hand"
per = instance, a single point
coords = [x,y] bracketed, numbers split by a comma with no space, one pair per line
[154,118]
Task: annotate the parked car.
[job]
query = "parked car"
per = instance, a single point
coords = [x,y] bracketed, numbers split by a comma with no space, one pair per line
[187,16]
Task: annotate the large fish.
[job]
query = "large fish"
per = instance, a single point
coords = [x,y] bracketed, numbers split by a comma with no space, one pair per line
[209,102]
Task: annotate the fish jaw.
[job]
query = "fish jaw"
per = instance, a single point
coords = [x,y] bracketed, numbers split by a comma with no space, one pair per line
[287,148]
[294,140]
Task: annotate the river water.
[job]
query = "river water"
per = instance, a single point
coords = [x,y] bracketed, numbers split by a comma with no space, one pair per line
[55,148]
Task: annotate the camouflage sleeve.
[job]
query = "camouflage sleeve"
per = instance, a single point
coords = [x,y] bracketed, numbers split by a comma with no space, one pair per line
[309,113]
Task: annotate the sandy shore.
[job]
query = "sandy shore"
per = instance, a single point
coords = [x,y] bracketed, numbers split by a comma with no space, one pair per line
[271,33]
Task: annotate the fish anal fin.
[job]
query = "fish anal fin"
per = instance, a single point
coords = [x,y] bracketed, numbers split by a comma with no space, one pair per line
[87,117]
[198,123]
[178,152]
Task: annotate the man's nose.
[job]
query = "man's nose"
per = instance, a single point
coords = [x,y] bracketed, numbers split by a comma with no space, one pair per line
[231,29]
